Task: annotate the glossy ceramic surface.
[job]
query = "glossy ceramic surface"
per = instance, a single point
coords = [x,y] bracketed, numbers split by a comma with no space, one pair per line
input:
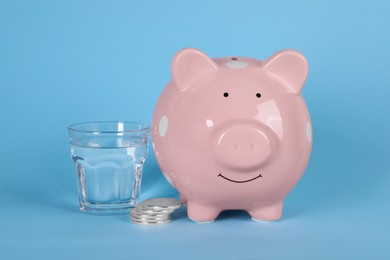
[234,132]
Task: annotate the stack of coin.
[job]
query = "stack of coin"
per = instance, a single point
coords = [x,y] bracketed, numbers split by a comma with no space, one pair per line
[155,211]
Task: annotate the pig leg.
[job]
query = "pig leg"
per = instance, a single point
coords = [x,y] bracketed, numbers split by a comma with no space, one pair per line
[201,213]
[268,213]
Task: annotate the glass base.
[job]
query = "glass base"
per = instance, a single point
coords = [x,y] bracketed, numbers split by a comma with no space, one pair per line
[107,209]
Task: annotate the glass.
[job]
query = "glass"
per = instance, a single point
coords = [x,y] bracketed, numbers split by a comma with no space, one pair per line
[109,157]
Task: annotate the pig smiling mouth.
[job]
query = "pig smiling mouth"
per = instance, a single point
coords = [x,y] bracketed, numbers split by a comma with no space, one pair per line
[220,175]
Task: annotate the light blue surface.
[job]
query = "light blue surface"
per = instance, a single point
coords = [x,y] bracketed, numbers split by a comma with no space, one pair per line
[71,61]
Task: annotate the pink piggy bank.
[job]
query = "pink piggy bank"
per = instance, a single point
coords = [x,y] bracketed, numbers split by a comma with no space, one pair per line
[233,133]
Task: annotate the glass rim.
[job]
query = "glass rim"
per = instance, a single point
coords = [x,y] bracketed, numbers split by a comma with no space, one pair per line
[73,127]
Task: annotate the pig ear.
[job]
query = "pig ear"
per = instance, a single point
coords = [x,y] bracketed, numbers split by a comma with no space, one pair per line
[289,66]
[188,65]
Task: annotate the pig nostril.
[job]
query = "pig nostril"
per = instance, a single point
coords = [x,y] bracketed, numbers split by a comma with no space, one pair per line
[251,147]
[235,147]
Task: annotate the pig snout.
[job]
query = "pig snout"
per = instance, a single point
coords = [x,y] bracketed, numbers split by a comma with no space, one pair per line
[242,146]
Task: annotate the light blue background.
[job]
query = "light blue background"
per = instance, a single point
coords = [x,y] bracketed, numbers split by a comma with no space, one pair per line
[71,61]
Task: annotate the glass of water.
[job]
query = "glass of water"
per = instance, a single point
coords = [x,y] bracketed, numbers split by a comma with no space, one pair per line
[108,157]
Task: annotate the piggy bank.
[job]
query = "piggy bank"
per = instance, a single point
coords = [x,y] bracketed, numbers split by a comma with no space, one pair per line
[234,132]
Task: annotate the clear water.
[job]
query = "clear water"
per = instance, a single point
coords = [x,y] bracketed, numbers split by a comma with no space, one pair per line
[109,178]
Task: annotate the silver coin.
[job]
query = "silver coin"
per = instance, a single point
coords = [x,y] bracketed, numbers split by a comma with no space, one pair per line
[152,210]
[137,212]
[133,218]
[151,223]
[162,203]
[148,217]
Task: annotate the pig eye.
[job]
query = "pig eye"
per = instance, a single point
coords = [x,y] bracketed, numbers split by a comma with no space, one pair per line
[258,95]
[225,94]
